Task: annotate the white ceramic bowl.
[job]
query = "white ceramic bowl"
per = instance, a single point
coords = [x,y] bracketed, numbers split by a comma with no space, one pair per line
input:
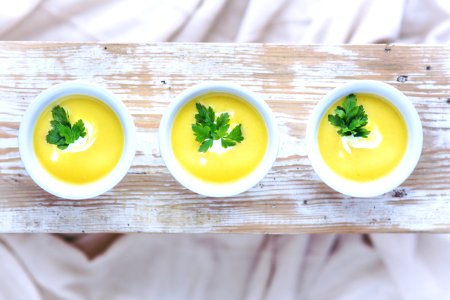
[212,189]
[36,171]
[406,165]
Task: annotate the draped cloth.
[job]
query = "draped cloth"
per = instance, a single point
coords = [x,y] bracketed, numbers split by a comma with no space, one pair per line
[284,21]
[207,266]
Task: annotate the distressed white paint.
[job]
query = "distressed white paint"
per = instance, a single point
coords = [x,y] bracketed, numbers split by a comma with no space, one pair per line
[291,78]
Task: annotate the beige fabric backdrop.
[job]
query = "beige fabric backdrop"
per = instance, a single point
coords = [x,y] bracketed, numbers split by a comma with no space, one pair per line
[227,266]
[301,21]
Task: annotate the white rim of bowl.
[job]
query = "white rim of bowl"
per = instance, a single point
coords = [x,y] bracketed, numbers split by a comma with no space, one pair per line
[406,165]
[212,189]
[50,183]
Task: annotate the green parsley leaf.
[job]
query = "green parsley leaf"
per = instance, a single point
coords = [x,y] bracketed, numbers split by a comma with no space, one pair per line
[236,134]
[221,132]
[60,115]
[206,145]
[208,128]
[78,129]
[201,132]
[63,133]
[205,115]
[223,120]
[227,142]
[53,137]
[350,118]
[66,132]
[222,126]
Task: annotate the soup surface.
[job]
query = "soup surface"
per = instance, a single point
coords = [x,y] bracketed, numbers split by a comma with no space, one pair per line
[220,165]
[365,159]
[87,159]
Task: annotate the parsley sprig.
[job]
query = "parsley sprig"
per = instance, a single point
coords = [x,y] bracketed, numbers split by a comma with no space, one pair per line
[63,133]
[208,128]
[350,118]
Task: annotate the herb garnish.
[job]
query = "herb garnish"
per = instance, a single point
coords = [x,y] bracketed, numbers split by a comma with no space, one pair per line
[208,128]
[350,118]
[63,133]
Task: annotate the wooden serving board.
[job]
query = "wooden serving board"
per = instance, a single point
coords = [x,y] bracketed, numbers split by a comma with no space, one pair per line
[291,78]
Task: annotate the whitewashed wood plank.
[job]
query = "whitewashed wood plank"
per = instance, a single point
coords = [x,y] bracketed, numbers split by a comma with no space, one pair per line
[292,78]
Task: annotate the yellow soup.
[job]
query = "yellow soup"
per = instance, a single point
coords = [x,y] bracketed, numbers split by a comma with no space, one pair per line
[371,158]
[89,158]
[220,166]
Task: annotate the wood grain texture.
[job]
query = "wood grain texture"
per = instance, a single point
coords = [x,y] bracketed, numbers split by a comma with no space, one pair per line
[291,78]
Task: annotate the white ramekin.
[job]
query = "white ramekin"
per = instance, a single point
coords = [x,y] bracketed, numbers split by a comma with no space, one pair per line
[213,189]
[50,183]
[406,165]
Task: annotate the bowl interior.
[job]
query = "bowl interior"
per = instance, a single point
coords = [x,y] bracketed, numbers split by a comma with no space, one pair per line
[403,169]
[41,176]
[214,189]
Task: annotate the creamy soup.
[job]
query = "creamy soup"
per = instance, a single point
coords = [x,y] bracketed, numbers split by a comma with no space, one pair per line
[89,158]
[365,159]
[219,165]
